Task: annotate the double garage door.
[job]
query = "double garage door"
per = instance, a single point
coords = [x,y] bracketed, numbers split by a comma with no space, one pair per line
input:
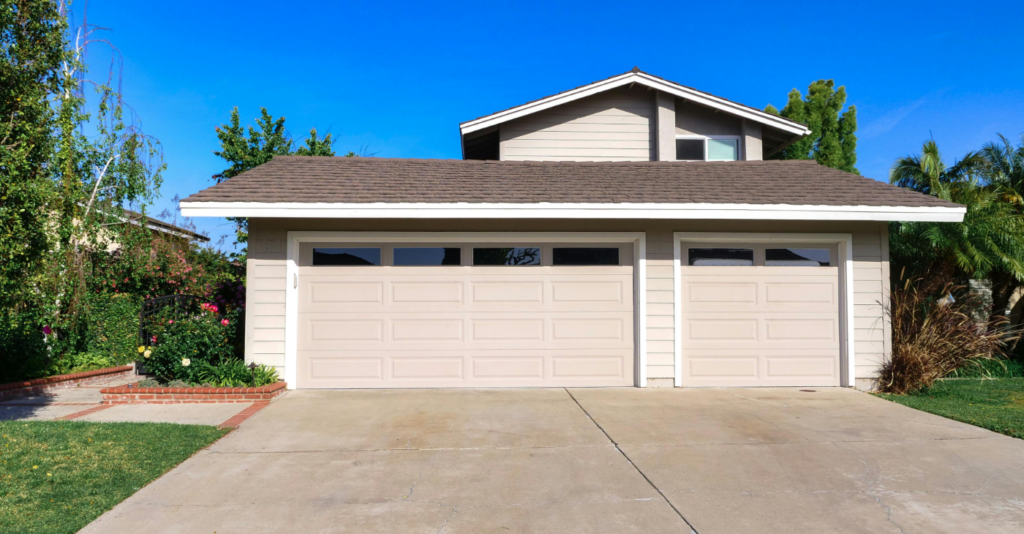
[465,315]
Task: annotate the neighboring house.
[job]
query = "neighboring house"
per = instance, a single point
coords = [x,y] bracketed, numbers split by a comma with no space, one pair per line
[583,252]
[183,235]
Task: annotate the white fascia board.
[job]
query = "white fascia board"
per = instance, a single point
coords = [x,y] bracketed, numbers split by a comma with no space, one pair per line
[780,212]
[647,81]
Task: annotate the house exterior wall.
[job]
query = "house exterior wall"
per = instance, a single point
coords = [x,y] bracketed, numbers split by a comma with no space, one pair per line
[616,125]
[695,119]
[265,317]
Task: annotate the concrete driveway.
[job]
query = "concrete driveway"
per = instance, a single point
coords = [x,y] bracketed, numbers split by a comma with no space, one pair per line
[588,460]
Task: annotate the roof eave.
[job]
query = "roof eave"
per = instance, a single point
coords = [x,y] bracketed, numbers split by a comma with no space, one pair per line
[626,79]
[543,210]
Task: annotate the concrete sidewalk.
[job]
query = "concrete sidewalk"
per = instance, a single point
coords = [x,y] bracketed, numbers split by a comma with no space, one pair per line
[589,460]
[84,403]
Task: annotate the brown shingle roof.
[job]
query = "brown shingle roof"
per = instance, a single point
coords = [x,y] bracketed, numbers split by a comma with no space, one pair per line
[306,179]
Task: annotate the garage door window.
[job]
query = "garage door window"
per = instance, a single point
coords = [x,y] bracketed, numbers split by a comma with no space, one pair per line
[795,257]
[427,256]
[346,256]
[721,257]
[585,256]
[507,256]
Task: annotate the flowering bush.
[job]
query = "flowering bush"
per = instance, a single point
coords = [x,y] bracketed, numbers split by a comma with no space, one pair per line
[182,344]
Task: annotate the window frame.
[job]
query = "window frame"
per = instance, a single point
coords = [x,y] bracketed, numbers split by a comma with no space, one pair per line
[705,138]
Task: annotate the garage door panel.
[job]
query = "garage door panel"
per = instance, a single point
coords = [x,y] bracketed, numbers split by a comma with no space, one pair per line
[427,368]
[427,292]
[512,369]
[466,327]
[322,366]
[787,330]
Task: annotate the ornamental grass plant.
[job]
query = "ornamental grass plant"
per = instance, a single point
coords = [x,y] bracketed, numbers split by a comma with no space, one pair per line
[934,335]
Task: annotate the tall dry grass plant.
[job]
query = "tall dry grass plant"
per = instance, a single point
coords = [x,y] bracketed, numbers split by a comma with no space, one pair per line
[932,336]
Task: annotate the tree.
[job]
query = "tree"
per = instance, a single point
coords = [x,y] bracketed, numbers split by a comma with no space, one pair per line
[260,146]
[833,139]
[1005,167]
[989,243]
[32,49]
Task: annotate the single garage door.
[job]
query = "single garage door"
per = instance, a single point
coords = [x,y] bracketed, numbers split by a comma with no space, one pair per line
[760,315]
[465,315]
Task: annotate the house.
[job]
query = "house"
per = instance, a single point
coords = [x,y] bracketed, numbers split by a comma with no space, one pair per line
[622,233]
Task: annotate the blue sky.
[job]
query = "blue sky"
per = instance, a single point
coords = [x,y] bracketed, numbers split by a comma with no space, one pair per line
[396,78]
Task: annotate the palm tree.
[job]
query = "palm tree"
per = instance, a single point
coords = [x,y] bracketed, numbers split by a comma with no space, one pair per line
[989,243]
[1005,167]
[928,174]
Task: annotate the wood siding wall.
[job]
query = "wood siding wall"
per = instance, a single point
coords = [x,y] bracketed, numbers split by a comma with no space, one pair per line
[872,337]
[617,125]
[872,334]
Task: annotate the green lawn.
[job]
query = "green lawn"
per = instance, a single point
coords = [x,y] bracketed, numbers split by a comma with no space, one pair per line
[56,477]
[996,404]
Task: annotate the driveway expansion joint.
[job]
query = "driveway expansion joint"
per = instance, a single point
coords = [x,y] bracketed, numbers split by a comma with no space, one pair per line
[626,456]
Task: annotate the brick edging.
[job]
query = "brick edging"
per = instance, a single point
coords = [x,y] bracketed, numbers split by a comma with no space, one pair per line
[39,385]
[199,395]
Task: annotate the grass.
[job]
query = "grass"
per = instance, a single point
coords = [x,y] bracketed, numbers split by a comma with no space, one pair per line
[56,477]
[996,404]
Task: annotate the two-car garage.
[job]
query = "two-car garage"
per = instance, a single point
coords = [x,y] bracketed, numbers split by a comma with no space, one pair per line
[545,313]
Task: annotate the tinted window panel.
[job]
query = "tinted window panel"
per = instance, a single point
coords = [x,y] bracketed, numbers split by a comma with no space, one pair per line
[585,256]
[506,256]
[811,257]
[428,256]
[690,149]
[346,256]
[721,256]
[723,150]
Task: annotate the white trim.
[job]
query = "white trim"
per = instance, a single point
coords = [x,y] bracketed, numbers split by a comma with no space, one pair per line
[640,260]
[639,240]
[846,322]
[545,210]
[646,80]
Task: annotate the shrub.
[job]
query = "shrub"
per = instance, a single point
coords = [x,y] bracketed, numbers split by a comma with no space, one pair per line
[23,351]
[82,361]
[234,373]
[933,337]
[183,344]
[114,327]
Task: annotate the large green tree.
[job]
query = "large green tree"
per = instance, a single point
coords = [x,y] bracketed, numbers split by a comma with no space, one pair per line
[32,49]
[988,244]
[245,148]
[833,139]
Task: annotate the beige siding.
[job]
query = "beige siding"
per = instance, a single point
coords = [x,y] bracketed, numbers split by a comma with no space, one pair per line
[617,125]
[265,320]
[660,317]
[695,119]
[265,297]
[870,287]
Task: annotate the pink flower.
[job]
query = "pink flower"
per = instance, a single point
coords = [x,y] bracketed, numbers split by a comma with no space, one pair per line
[47,330]
[171,321]
[224,322]
[152,339]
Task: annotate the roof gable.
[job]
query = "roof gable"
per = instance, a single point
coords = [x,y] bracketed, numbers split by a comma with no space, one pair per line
[636,76]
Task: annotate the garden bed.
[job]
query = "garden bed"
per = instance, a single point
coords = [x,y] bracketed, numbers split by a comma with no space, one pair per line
[41,385]
[190,395]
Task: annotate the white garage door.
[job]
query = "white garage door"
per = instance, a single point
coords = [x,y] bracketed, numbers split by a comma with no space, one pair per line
[757,315]
[465,315]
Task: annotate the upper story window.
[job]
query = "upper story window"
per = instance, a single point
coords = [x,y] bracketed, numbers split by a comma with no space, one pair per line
[693,148]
